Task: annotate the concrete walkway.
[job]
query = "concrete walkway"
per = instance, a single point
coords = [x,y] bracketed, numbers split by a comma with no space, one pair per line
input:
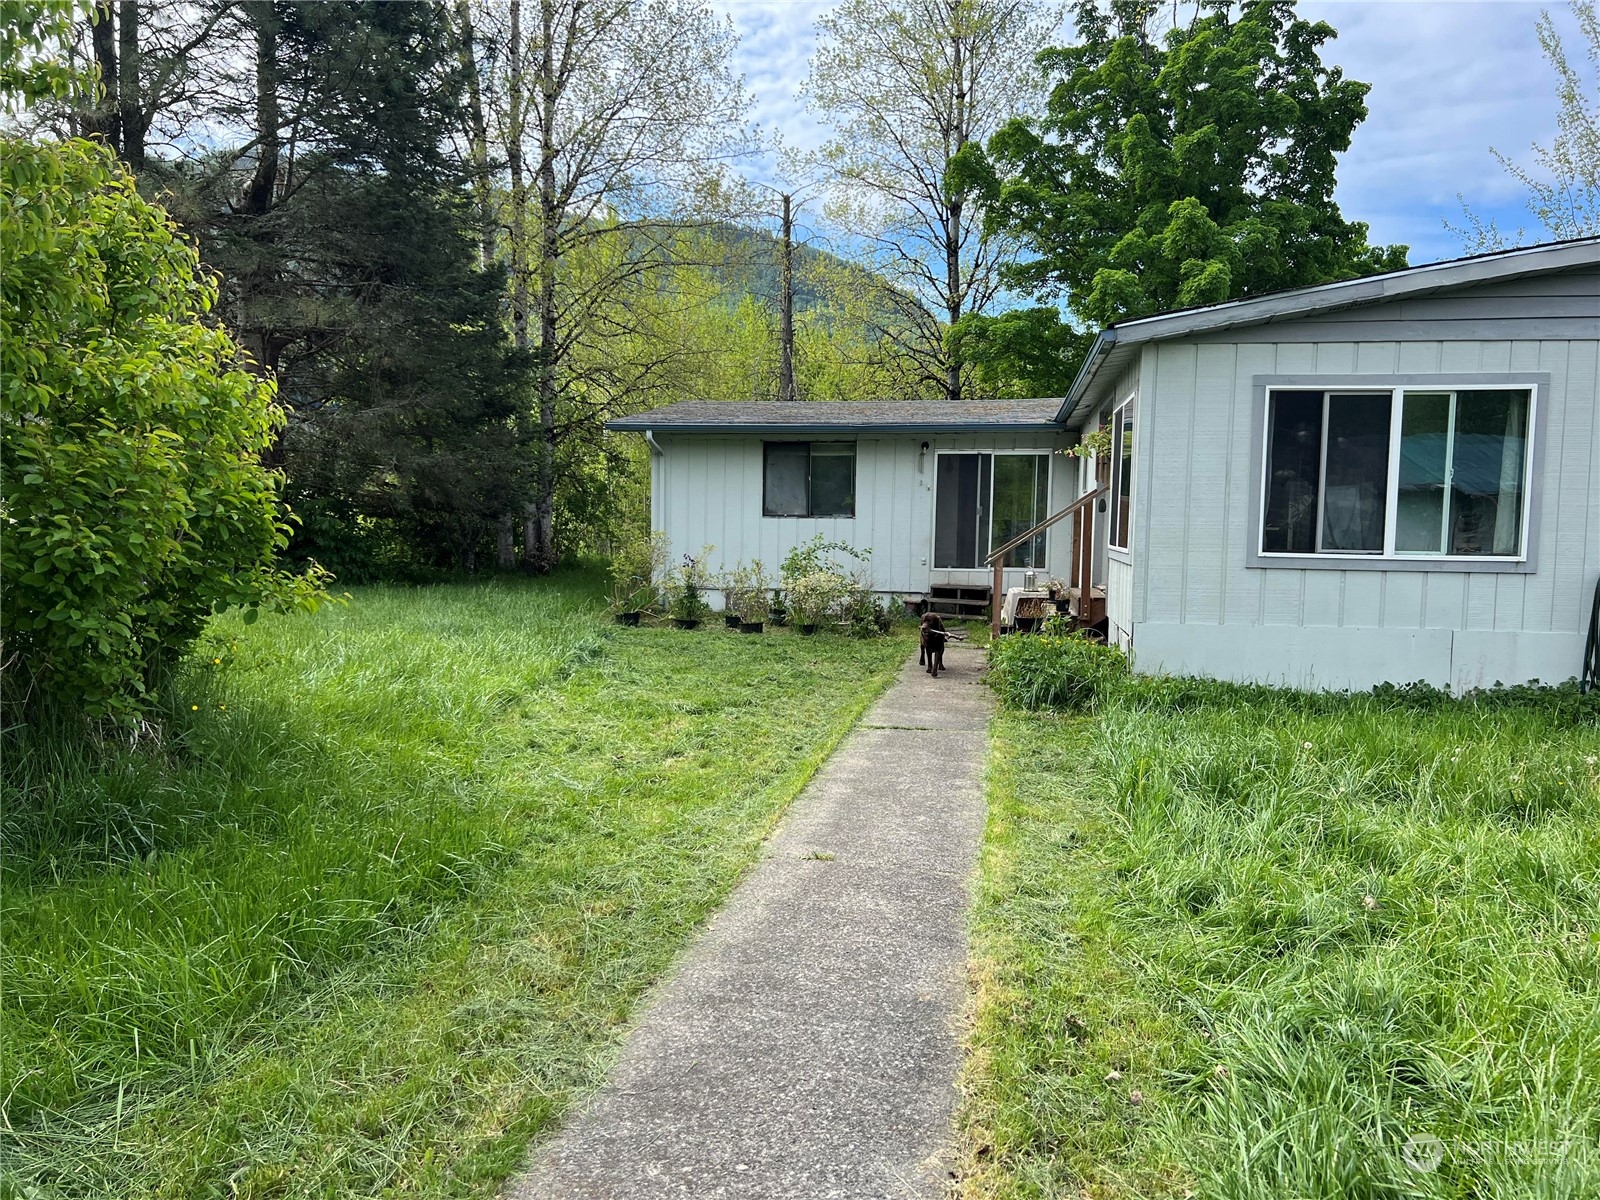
[807,1045]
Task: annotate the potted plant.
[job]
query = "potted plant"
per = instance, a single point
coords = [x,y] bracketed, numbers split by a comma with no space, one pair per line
[778,614]
[687,592]
[635,567]
[815,583]
[735,586]
[754,599]
[814,599]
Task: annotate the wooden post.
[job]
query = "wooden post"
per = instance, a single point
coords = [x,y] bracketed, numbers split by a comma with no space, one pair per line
[998,596]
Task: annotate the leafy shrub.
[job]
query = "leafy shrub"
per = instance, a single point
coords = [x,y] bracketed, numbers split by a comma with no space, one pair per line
[747,591]
[814,598]
[686,588]
[635,567]
[1055,670]
[864,613]
[134,499]
[819,554]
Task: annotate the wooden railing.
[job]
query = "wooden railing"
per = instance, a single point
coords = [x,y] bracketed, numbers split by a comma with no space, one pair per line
[1082,551]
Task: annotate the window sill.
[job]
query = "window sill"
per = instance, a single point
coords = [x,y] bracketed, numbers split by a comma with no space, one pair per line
[783,517]
[1120,554]
[1377,562]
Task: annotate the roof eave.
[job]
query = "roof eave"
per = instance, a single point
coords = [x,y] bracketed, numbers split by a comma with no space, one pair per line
[627,425]
[1322,298]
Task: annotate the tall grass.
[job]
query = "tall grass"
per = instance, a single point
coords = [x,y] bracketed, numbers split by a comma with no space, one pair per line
[1249,945]
[371,909]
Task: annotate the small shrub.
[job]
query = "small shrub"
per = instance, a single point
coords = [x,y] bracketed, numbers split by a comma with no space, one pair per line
[687,586]
[1055,670]
[635,568]
[814,598]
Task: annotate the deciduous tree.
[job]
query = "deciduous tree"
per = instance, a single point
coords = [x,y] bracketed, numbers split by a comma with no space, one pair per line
[134,499]
[1563,184]
[613,118]
[1188,171]
[908,86]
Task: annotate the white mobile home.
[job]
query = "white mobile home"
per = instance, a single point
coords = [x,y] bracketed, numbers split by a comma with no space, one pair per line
[1391,479]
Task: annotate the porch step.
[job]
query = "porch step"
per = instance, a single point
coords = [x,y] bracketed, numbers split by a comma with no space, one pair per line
[948,600]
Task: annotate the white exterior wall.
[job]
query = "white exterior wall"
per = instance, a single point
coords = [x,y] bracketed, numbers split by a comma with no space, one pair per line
[1114,568]
[705,489]
[1199,609]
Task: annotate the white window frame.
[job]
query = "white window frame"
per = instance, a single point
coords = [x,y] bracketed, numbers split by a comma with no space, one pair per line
[1115,454]
[1389,556]
[933,526]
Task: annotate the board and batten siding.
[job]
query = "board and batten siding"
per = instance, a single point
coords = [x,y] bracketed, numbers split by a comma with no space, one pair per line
[1114,568]
[1199,609]
[706,490]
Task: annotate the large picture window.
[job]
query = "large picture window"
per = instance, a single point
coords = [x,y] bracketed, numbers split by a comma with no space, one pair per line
[1396,473]
[808,479]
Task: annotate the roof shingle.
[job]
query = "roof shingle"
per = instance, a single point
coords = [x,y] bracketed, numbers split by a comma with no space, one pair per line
[906,416]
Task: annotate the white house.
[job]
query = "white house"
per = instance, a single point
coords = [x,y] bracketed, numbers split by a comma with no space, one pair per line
[1391,479]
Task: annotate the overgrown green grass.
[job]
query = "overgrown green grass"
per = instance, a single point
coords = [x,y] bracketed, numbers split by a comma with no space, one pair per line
[1239,945]
[373,908]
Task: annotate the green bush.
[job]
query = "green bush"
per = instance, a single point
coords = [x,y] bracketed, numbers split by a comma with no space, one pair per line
[134,501]
[1055,670]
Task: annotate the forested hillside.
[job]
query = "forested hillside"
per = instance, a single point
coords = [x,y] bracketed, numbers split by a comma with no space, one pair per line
[456,237]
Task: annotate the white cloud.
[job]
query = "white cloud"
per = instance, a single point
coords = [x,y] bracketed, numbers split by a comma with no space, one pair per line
[1450,78]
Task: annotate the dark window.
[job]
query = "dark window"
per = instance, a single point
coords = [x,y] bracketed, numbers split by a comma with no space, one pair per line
[1339,480]
[982,501]
[1355,473]
[1122,476]
[1294,464]
[809,479]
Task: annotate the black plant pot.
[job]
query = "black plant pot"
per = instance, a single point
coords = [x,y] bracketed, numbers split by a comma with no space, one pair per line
[749,626]
[628,618]
[685,623]
[731,620]
[808,630]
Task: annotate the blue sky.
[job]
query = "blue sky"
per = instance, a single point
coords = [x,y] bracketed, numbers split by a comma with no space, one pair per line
[1450,79]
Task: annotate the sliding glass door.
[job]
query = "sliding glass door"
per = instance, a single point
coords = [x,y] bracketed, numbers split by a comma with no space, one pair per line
[985,500]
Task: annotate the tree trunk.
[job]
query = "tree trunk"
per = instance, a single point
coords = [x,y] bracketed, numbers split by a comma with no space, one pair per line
[957,139]
[258,193]
[130,109]
[516,125]
[539,536]
[506,543]
[477,137]
[786,384]
[101,122]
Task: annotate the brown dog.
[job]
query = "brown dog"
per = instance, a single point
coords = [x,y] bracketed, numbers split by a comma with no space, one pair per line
[931,653]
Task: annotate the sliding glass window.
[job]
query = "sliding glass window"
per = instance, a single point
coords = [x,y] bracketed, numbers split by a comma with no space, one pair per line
[808,479]
[1397,473]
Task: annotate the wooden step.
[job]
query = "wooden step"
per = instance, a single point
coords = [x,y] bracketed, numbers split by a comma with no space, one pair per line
[968,601]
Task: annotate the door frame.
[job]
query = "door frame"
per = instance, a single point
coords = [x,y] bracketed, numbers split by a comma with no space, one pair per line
[980,574]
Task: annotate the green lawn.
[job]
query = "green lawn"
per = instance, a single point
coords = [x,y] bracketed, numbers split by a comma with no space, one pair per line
[1243,946]
[373,906]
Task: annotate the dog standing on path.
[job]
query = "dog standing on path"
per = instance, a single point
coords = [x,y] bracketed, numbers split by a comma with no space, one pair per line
[934,636]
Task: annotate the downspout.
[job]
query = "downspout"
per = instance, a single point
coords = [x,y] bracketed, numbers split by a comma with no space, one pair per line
[655,446]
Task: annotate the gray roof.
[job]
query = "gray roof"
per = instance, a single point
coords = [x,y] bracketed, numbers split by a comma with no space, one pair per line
[864,416]
[1117,346]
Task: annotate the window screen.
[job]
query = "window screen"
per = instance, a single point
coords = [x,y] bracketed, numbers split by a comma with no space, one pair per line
[809,479]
